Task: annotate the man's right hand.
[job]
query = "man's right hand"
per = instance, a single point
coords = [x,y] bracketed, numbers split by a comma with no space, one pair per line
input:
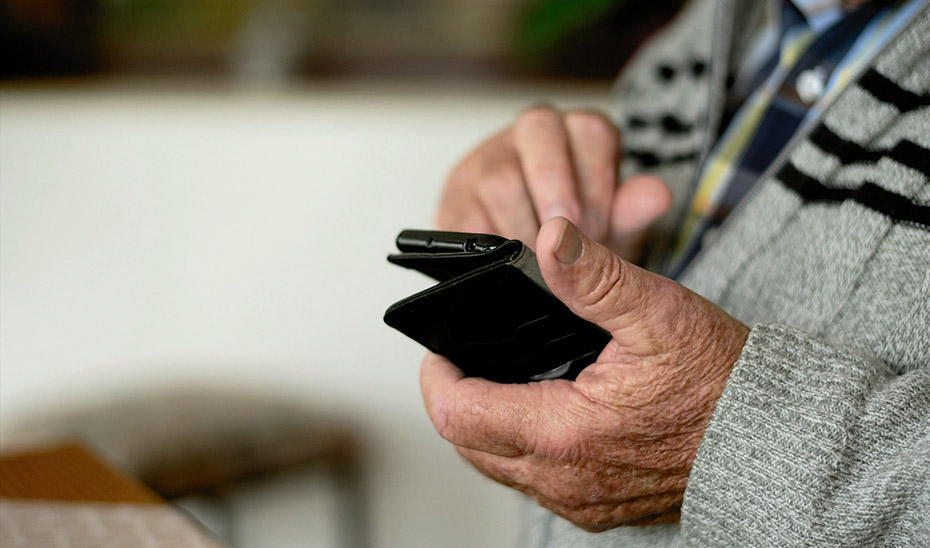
[549,164]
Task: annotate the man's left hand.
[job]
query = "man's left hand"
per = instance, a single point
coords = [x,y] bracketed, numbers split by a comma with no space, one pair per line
[615,446]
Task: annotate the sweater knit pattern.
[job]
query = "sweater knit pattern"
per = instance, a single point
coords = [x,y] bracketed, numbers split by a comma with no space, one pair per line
[822,434]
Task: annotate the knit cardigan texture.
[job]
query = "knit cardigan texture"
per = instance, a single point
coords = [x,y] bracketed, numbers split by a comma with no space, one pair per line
[822,434]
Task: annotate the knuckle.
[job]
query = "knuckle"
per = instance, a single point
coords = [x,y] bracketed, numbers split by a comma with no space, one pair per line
[593,125]
[534,117]
[603,283]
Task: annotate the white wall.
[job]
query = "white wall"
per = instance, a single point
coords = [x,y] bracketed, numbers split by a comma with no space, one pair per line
[181,235]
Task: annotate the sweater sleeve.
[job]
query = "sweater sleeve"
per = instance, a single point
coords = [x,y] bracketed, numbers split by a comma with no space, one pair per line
[813,445]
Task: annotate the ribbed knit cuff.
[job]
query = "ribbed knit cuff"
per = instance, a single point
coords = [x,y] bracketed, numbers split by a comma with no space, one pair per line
[814,445]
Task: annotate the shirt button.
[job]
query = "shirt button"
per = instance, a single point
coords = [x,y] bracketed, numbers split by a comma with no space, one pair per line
[810,84]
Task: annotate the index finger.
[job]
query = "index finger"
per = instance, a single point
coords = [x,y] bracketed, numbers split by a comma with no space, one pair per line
[542,143]
[502,419]
[595,148]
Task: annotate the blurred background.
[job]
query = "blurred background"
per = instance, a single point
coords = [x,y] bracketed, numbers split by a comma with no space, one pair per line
[196,199]
[274,40]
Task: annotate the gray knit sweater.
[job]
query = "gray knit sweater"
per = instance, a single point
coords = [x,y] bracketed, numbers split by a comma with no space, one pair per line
[822,434]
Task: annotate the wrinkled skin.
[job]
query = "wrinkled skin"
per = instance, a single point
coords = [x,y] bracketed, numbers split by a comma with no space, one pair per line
[615,446]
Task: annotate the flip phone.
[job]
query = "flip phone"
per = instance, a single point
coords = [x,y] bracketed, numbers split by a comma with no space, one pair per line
[491,313]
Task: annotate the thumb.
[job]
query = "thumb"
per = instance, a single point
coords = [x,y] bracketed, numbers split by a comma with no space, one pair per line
[597,285]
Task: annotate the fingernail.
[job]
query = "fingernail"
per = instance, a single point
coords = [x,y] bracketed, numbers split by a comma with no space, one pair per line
[570,246]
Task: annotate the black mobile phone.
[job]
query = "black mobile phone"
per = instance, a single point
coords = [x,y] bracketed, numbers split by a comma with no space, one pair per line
[491,313]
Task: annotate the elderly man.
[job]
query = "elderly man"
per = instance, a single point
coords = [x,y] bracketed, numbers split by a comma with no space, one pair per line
[768,378]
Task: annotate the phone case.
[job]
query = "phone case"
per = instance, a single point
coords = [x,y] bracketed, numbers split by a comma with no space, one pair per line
[491,314]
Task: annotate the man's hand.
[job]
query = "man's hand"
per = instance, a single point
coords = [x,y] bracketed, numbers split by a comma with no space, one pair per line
[550,164]
[615,446]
